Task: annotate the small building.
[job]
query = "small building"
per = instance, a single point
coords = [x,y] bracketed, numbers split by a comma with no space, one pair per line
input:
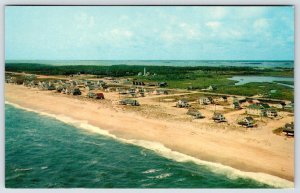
[236,105]
[204,101]
[224,98]
[210,88]
[129,102]
[195,113]
[162,84]
[138,83]
[289,129]
[271,112]
[182,103]
[247,122]
[122,91]
[59,88]
[75,91]
[91,95]
[259,109]
[289,106]
[99,96]
[90,87]
[218,117]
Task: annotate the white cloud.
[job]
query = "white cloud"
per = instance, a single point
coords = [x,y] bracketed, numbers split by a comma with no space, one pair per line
[218,12]
[213,24]
[116,36]
[261,23]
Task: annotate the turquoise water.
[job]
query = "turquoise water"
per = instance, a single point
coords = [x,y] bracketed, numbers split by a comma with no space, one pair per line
[42,152]
[246,79]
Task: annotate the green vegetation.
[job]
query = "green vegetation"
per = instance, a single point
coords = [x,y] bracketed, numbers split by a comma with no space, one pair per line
[286,82]
[192,78]
[264,89]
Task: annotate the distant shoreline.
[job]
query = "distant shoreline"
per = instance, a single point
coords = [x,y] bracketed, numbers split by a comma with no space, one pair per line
[180,63]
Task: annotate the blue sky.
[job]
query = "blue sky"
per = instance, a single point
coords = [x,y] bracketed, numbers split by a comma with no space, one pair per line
[149,33]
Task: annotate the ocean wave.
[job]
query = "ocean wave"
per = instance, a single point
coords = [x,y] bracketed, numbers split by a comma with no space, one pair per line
[22,169]
[160,149]
[150,171]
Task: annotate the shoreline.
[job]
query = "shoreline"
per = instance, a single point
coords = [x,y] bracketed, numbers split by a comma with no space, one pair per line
[163,151]
[193,142]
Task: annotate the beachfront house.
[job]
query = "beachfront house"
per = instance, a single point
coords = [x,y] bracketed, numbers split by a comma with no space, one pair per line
[218,117]
[259,109]
[247,122]
[204,101]
[289,129]
[195,113]
[182,103]
[90,87]
[271,112]
[75,91]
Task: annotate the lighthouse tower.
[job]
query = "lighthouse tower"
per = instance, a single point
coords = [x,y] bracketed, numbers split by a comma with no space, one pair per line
[144,71]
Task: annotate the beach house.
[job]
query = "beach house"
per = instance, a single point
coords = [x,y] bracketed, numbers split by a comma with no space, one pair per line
[218,117]
[182,103]
[289,129]
[195,113]
[247,122]
[271,112]
[259,109]
[129,102]
[204,101]
[99,96]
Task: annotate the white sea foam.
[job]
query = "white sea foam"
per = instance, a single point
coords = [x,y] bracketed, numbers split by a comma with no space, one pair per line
[160,149]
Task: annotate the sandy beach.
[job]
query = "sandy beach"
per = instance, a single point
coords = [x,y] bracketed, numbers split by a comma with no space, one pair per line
[254,150]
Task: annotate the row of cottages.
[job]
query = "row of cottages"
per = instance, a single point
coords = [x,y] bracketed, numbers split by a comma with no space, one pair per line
[46,85]
[71,90]
[134,92]
[32,83]
[261,109]
[131,102]
[94,85]
[138,83]
[182,103]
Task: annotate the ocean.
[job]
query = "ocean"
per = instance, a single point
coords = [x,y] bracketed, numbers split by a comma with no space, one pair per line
[44,151]
[237,63]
